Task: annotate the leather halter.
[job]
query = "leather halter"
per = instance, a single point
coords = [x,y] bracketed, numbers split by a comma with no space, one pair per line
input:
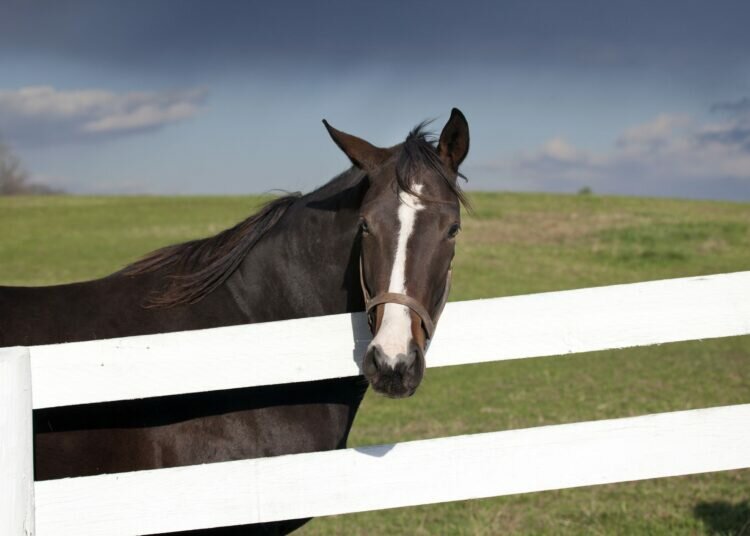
[403,299]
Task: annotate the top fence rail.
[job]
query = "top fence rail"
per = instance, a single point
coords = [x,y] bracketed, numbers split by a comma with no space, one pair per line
[516,327]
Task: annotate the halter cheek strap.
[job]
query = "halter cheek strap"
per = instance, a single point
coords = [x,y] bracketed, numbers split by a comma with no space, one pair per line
[403,299]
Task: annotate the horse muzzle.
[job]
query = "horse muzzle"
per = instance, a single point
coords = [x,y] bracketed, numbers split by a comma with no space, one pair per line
[395,377]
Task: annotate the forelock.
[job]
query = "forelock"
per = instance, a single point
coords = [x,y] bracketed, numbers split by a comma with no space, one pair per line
[418,155]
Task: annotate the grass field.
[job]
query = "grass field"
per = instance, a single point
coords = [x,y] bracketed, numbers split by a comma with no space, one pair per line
[513,244]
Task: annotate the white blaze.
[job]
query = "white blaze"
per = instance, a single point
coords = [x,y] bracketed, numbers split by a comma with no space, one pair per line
[395,329]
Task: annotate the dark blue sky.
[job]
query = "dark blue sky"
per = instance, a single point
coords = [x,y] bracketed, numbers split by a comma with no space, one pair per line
[644,98]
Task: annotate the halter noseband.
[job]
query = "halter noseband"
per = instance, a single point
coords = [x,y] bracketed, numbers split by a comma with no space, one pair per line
[403,299]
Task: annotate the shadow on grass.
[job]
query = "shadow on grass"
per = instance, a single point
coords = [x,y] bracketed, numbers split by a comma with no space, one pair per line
[724,518]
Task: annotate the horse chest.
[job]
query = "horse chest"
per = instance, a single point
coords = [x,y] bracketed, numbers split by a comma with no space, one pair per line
[194,429]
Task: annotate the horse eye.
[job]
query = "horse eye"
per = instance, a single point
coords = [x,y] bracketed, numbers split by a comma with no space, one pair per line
[453,231]
[363,226]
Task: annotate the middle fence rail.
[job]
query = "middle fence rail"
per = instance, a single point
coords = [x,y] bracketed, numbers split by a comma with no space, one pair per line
[404,474]
[418,472]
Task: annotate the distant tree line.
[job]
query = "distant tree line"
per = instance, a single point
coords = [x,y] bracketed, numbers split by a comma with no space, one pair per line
[14,179]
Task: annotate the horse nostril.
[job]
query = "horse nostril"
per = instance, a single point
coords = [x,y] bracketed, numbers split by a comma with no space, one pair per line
[371,364]
[415,359]
[412,363]
[415,352]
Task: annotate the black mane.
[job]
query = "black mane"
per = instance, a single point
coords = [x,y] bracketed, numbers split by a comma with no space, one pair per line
[200,266]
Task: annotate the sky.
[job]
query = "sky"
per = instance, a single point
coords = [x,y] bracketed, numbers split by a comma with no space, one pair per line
[183,97]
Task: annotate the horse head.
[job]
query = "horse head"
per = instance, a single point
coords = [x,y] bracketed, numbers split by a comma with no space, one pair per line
[409,220]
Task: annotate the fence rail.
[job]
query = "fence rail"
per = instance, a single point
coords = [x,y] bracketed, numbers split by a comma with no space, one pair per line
[419,472]
[475,331]
[404,474]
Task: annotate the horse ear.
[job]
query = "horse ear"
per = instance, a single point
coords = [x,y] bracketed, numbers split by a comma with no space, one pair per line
[454,140]
[363,154]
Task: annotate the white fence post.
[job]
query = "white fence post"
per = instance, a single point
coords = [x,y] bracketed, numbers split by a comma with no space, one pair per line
[16,444]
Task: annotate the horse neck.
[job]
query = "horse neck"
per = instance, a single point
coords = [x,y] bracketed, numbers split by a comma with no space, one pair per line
[308,265]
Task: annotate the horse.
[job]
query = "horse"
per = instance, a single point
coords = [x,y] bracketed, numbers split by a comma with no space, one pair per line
[380,237]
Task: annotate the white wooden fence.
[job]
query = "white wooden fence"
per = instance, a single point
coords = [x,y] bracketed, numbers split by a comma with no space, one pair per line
[370,478]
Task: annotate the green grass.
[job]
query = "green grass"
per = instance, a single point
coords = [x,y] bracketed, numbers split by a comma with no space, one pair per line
[513,244]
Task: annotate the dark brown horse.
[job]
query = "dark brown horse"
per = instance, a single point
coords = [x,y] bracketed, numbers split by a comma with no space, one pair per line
[380,237]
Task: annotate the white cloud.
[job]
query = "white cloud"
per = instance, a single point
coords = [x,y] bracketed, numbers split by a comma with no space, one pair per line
[654,133]
[671,155]
[558,148]
[43,114]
